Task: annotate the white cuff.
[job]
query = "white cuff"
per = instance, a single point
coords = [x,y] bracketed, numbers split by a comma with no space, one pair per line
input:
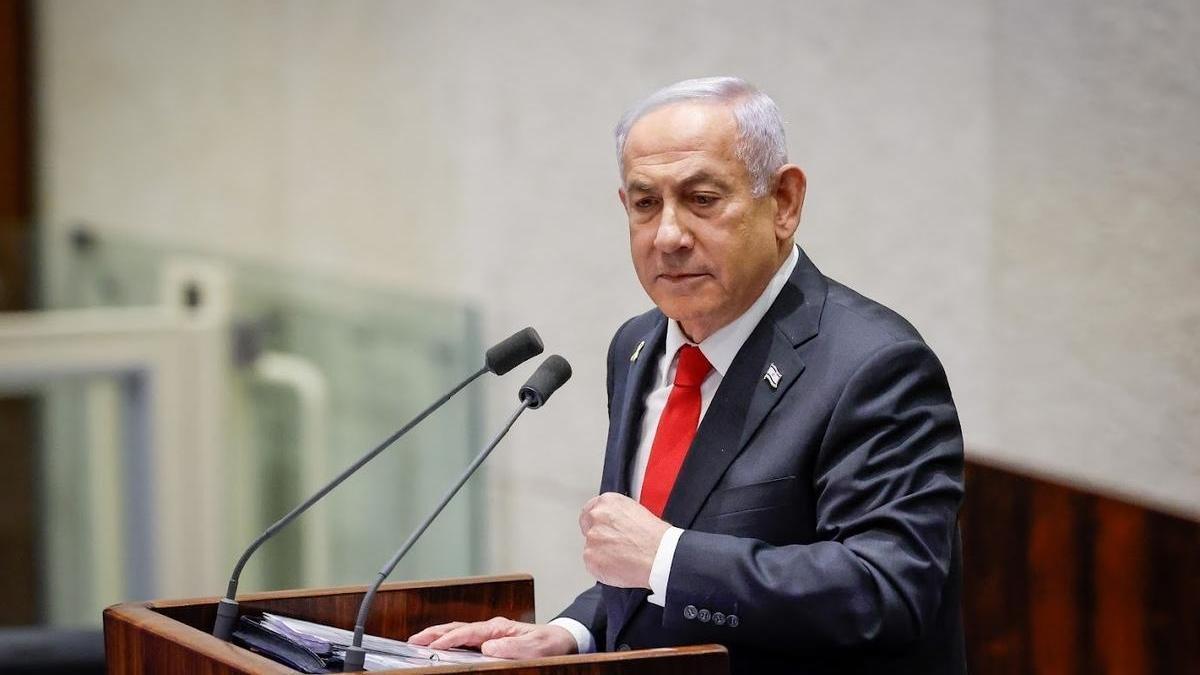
[660,571]
[583,636]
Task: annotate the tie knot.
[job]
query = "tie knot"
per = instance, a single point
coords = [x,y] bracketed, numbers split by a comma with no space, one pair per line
[692,368]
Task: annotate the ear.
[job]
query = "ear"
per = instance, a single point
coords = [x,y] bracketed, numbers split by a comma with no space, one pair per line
[790,185]
[621,195]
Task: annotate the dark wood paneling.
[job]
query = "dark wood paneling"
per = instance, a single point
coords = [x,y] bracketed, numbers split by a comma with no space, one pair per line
[18,534]
[1060,580]
[18,517]
[1054,616]
[16,110]
[994,573]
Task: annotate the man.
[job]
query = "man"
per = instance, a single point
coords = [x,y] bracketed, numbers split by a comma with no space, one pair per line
[784,460]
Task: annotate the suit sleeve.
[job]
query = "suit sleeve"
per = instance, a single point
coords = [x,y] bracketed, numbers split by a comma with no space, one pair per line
[588,607]
[888,483]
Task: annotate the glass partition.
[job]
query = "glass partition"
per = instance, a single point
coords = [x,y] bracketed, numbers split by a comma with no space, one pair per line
[319,371]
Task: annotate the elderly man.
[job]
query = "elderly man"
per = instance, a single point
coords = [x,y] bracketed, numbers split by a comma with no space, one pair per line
[784,461]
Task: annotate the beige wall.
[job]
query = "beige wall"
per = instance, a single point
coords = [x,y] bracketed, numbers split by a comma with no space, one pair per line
[989,169]
[1097,243]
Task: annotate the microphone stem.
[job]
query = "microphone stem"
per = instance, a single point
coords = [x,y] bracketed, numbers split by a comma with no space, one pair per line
[231,591]
[365,608]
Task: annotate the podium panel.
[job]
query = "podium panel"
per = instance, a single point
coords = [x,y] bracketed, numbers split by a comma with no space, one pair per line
[173,636]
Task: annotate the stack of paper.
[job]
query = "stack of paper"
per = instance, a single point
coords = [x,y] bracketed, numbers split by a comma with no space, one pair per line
[382,653]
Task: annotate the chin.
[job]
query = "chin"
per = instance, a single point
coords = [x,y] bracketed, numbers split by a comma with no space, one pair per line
[682,311]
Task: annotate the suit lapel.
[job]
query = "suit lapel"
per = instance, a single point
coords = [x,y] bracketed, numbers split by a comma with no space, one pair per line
[738,408]
[632,406]
[738,400]
[759,377]
[632,402]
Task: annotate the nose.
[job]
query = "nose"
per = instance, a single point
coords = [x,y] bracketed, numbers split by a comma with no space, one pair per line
[671,235]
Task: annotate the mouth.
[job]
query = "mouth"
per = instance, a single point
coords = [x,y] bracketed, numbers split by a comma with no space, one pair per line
[681,277]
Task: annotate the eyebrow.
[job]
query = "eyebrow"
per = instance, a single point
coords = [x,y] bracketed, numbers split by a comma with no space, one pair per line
[640,185]
[705,177]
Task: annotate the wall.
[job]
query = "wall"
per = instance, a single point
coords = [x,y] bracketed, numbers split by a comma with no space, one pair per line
[1097,246]
[463,150]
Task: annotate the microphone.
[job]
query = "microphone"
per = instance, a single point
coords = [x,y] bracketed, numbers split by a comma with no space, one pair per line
[501,358]
[512,351]
[549,376]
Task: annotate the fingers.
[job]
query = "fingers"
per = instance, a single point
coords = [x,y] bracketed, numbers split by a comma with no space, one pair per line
[585,514]
[475,634]
[540,641]
[509,648]
[432,633]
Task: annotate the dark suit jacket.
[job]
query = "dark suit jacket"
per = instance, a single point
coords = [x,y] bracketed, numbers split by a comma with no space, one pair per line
[819,515]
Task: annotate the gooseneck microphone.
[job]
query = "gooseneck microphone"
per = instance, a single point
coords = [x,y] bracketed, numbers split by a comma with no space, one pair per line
[501,358]
[549,376]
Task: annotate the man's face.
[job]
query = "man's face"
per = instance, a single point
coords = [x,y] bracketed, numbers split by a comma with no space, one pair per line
[704,248]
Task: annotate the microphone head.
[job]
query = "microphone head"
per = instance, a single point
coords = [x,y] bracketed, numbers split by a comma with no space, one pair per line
[513,350]
[549,376]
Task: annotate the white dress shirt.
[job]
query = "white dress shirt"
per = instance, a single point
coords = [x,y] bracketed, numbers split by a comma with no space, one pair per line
[720,348]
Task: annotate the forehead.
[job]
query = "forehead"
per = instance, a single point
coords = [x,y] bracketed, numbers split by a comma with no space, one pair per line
[682,137]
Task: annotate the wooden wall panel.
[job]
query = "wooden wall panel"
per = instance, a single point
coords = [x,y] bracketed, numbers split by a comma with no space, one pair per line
[1059,580]
[1054,581]
[994,572]
[18,535]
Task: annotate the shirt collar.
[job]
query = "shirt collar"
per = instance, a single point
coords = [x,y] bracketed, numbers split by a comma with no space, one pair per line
[721,347]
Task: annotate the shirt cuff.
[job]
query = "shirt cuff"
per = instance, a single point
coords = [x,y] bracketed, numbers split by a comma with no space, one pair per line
[583,636]
[660,571]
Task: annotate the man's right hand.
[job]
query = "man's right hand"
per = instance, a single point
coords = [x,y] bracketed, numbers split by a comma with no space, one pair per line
[500,637]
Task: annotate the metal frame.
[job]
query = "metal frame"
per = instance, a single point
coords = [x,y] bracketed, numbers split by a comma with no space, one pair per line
[172,363]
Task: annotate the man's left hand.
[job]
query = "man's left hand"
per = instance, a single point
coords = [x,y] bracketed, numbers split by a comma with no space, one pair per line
[620,540]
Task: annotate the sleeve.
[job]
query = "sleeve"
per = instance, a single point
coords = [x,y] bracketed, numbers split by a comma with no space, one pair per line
[584,642]
[588,610]
[887,483]
[660,569]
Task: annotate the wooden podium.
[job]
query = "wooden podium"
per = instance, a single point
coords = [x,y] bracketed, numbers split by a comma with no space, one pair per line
[173,636]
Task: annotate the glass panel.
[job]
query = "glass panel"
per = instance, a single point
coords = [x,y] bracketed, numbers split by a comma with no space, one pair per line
[319,364]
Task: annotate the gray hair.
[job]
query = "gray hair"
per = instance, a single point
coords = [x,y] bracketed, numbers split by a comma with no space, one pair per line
[761,145]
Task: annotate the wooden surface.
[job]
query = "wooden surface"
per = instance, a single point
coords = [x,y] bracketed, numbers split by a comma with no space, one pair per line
[19,575]
[1060,580]
[173,636]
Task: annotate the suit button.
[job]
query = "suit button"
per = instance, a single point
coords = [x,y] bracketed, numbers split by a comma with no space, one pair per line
[732,620]
[689,612]
[718,619]
[623,647]
[704,616]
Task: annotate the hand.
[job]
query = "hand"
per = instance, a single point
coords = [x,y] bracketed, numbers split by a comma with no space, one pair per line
[621,538]
[500,637]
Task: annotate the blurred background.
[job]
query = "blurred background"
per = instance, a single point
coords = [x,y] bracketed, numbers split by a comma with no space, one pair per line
[241,242]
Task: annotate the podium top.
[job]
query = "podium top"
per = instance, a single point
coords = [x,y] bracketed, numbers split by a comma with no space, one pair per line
[174,635]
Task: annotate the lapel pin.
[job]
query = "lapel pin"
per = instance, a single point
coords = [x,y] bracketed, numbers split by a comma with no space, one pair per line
[637,351]
[772,376]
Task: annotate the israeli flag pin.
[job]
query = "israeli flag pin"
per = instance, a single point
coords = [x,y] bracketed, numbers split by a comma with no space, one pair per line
[772,376]
[637,351]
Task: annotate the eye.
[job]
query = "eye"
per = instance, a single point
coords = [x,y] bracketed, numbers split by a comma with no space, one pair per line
[704,199]
[645,203]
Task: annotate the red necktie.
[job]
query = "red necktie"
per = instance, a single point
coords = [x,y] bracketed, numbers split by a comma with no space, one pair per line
[676,429]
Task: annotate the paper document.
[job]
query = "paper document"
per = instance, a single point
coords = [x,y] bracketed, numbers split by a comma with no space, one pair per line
[382,653]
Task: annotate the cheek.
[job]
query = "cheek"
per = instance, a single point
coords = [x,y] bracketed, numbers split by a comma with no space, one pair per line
[642,254]
[641,246]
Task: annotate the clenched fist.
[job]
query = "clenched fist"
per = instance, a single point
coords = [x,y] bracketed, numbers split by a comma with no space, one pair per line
[620,540]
